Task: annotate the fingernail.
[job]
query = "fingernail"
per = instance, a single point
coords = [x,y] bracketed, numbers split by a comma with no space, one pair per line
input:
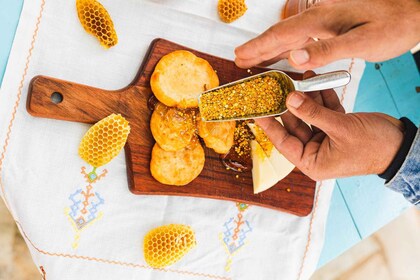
[299,56]
[295,100]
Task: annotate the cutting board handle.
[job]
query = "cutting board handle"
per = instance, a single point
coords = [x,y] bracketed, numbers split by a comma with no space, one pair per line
[53,98]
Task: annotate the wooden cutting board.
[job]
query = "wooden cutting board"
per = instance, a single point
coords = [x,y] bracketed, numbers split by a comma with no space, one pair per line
[82,103]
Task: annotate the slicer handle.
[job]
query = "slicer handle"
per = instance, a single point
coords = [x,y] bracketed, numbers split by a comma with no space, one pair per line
[324,81]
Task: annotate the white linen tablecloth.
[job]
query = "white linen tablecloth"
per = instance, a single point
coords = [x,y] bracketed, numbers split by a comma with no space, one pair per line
[40,169]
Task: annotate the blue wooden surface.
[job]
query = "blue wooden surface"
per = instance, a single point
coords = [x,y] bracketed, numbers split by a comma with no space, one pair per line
[360,205]
[387,87]
[341,233]
[9,18]
[402,78]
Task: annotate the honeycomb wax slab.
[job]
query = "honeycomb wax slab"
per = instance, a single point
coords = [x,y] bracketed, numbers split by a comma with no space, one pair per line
[165,245]
[231,10]
[104,140]
[96,20]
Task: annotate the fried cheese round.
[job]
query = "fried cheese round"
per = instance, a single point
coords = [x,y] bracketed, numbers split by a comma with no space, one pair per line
[177,168]
[180,77]
[172,128]
[218,136]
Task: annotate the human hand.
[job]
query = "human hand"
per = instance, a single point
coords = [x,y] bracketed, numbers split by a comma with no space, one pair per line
[339,144]
[374,30]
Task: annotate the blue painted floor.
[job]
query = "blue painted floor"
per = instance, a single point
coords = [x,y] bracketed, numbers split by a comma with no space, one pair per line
[9,18]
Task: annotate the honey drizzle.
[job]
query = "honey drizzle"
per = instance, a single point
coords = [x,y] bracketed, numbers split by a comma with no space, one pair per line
[152,102]
[238,159]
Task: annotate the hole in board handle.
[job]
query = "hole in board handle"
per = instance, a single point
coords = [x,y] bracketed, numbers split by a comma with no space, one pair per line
[56,97]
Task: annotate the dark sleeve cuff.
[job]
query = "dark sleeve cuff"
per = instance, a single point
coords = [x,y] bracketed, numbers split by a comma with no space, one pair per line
[409,135]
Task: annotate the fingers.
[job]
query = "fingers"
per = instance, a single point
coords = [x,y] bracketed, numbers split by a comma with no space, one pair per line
[308,110]
[296,127]
[323,52]
[328,98]
[308,74]
[331,100]
[343,35]
[281,37]
[281,56]
[264,47]
[288,145]
[294,34]
[315,95]
[275,59]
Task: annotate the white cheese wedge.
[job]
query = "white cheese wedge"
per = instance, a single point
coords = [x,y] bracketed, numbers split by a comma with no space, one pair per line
[282,167]
[263,173]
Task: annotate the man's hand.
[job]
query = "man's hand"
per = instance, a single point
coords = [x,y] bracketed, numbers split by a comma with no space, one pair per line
[374,30]
[339,144]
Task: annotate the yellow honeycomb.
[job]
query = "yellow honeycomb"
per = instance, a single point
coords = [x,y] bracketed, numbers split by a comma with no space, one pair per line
[96,21]
[167,244]
[103,141]
[231,10]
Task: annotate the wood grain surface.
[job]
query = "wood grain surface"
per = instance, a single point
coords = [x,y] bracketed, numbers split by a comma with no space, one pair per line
[82,103]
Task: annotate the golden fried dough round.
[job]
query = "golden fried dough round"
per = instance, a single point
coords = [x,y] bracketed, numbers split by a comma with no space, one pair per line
[180,77]
[172,128]
[177,168]
[218,136]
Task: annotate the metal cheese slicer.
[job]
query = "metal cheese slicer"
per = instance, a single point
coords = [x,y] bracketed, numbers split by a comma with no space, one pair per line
[287,84]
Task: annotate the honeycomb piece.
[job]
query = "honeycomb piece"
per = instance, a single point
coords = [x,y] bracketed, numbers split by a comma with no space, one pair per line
[231,10]
[96,20]
[165,245]
[103,141]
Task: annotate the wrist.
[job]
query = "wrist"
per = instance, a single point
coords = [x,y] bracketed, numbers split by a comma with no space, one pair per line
[398,159]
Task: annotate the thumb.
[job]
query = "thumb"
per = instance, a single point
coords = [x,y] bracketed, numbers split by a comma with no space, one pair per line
[306,109]
[323,52]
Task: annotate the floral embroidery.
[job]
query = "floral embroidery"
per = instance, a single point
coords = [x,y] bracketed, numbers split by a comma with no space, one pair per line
[235,232]
[85,203]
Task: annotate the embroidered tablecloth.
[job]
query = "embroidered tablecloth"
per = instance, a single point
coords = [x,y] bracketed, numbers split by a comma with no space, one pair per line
[78,229]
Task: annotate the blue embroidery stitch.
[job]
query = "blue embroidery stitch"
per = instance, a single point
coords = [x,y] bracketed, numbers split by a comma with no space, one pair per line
[235,234]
